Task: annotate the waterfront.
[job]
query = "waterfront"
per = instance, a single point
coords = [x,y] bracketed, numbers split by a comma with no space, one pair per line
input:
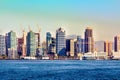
[59,69]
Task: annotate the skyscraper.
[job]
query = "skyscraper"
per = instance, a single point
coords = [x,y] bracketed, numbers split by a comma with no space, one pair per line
[79,44]
[24,44]
[70,47]
[12,45]
[60,42]
[117,43]
[31,44]
[2,45]
[48,41]
[108,48]
[19,47]
[52,47]
[89,41]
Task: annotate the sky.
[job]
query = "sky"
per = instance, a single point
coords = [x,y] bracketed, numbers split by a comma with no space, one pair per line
[72,15]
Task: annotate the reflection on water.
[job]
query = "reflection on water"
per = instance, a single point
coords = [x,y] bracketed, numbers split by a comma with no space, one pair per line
[59,70]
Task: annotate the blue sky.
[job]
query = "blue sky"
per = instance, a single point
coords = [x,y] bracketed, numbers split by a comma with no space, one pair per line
[73,15]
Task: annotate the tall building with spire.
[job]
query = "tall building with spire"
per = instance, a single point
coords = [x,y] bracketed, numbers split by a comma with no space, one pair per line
[89,40]
[60,42]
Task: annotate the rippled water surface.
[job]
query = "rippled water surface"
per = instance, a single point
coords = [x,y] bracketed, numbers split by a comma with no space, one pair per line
[59,70]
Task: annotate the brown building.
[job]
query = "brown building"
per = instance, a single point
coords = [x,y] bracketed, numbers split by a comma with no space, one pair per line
[89,40]
[19,47]
[108,48]
[117,43]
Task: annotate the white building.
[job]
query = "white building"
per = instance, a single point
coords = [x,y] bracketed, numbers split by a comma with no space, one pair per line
[12,53]
[2,45]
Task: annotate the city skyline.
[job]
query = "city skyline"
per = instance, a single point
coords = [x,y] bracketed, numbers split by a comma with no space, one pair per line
[73,16]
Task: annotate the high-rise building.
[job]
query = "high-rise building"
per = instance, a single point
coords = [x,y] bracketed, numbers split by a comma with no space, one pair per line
[44,48]
[117,43]
[39,51]
[108,48]
[24,44]
[19,47]
[83,45]
[79,43]
[52,48]
[2,45]
[48,41]
[70,48]
[11,45]
[89,41]
[31,44]
[60,42]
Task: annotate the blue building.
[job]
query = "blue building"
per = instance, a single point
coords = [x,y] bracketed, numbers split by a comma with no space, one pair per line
[60,42]
[31,44]
[2,45]
[48,41]
[79,43]
[82,45]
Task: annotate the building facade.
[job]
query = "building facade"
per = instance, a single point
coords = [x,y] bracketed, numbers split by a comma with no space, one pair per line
[48,41]
[89,40]
[11,45]
[99,46]
[31,44]
[117,43]
[60,42]
[24,44]
[108,48]
[70,47]
[2,45]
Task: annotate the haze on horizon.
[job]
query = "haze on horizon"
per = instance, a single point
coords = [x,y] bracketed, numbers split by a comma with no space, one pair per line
[73,15]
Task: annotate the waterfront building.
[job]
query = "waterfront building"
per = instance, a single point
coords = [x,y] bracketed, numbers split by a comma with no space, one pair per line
[99,46]
[24,43]
[79,44]
[2,45]
[116,55]
[44,48]
[60,42]
[31,44]
[19,47]
[89,40]
[117,43]
[39,51]
[52,47]
[70,48]
[108,48]
[83,46]
[48,41]
[11,45]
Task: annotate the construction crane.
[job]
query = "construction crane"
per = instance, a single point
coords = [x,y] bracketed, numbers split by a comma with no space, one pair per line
[22,28]
[29,28]
[39,49]
[39,30]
